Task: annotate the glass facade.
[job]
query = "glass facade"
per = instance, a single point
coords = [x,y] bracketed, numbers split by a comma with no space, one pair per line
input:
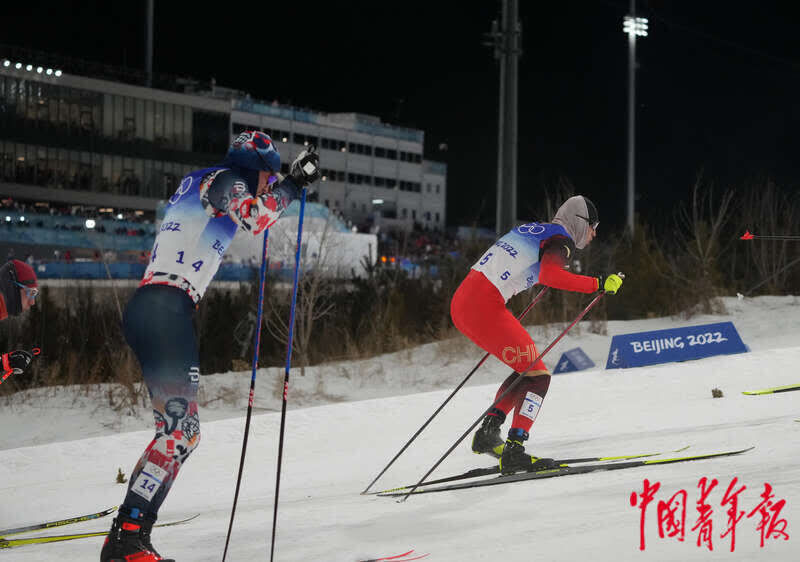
[66,138]
[116,140]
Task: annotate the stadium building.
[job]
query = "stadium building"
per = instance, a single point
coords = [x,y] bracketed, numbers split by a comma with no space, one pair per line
[80,134]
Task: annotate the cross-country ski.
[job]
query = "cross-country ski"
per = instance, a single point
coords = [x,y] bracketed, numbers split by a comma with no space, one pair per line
[12,543]
[563,469]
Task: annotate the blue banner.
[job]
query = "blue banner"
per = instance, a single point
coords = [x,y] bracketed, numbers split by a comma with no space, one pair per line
[675,344]
[573,360]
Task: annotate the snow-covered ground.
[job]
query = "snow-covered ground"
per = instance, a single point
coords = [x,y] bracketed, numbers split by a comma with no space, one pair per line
[347,420]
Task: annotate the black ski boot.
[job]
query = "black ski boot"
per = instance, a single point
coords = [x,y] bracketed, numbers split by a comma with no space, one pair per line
[124,542]
[515,459]
[487,439]
[144,535]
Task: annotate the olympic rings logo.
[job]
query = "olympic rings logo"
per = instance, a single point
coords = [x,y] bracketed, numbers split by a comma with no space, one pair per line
[531,228]
[182,190]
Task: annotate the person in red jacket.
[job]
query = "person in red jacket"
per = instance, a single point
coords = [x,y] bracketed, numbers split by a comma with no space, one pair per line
[18,291]
[530,254]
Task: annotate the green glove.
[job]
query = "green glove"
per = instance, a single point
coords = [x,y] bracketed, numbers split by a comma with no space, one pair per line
[611,283]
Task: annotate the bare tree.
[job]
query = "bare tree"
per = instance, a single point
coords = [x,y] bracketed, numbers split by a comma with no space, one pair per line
[768,211]
[316,286]
[698,235]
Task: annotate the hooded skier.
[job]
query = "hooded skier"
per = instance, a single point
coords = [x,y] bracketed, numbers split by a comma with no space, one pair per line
[245,192]
[531,253]
[18,291]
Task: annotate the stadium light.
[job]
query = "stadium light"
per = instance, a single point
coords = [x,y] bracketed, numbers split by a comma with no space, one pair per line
[377,201]
[636,26]
[90,224]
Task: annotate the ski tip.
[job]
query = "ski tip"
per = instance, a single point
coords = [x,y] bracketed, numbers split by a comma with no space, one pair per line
[405,557]
[747,236]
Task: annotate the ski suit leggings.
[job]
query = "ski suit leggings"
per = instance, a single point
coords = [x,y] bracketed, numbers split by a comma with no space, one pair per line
[479,312]
[158,326]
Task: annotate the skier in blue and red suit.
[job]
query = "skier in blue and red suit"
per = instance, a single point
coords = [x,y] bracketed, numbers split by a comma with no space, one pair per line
[533,253]
[244,192]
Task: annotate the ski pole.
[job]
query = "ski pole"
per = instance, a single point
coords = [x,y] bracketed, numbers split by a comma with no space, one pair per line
[256,345]
[536,299]
[771,277]
[499,398]
[288,366]
[748,236]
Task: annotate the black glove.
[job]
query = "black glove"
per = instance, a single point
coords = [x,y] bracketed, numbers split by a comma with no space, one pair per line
[15,363]
[286,192]
[305,168]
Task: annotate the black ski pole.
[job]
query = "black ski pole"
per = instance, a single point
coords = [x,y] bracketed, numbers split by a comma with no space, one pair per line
[535,300]
[256,346]
[773,276]
[784,237]
[288,366]
[510,387]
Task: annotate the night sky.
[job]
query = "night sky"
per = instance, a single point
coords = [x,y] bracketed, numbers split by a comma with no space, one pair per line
[717,85]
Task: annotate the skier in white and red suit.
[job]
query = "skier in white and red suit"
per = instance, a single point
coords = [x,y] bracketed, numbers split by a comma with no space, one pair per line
[244,192]
[533,253]
[18,291]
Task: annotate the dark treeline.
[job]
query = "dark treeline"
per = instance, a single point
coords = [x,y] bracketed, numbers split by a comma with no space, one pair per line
[680,269]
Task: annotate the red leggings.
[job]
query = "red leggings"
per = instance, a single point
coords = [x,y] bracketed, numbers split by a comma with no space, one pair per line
[479,312]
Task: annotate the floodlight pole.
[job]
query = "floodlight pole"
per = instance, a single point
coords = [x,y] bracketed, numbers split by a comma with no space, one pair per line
[633,26]
[148,49]
[631,120]
[506,38]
